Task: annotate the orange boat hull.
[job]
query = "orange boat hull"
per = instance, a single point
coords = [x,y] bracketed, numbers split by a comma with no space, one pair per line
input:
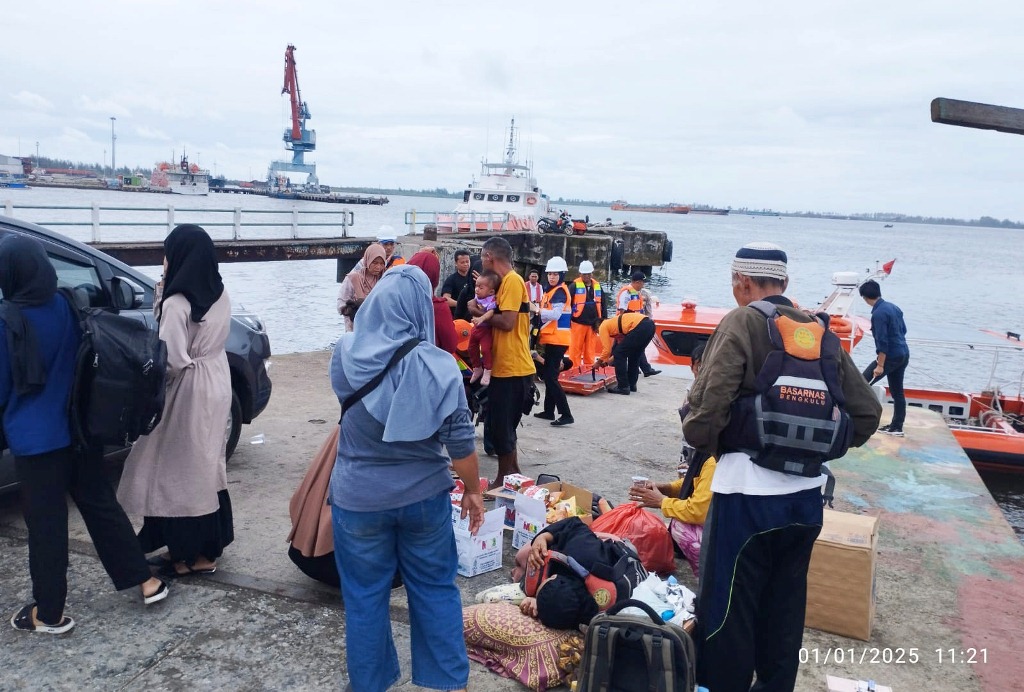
[987,436]
[678,330]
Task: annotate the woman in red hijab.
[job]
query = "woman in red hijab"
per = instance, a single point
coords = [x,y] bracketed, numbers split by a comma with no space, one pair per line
[445,336]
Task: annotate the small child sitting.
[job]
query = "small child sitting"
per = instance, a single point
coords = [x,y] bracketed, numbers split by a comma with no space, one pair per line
[480,338]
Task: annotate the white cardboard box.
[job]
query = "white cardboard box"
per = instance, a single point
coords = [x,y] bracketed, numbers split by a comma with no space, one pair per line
[531,514]
[483,552]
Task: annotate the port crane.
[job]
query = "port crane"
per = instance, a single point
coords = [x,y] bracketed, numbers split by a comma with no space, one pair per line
[297,139]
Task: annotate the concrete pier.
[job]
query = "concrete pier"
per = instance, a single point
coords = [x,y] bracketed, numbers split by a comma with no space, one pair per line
[949,572]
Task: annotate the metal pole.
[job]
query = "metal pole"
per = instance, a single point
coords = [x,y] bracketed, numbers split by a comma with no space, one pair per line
[113,155]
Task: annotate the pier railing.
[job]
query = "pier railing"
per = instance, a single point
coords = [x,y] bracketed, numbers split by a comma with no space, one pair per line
[97,218]
[468,222]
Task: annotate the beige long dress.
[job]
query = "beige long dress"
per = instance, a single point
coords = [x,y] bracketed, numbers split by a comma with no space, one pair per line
[178,469]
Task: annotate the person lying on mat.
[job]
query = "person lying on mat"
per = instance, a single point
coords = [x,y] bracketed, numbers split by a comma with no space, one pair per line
[573,574]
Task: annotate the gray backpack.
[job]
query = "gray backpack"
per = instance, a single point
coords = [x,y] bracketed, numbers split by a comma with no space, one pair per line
[626,653]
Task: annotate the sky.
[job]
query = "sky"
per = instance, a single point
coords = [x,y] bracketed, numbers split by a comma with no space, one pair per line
[794,105]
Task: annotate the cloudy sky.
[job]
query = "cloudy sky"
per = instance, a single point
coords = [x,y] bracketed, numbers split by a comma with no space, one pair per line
[790,105]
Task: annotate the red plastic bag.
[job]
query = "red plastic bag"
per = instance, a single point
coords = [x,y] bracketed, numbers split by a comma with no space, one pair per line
[645,531]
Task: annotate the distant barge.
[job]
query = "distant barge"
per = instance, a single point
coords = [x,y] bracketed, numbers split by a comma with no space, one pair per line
[656,208]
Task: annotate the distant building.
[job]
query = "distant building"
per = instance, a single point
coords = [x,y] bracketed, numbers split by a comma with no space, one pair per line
[11,166]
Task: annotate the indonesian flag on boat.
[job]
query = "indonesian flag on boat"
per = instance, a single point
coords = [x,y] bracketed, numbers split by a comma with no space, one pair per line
[887,267]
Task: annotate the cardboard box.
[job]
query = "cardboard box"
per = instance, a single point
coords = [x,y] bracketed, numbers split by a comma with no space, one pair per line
[483,552]
[516,482]
[837,684]
[531,514]
[506,500]
[841,577]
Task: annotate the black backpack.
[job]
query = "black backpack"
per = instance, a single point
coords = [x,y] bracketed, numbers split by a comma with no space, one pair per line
[623,653]
[120,374]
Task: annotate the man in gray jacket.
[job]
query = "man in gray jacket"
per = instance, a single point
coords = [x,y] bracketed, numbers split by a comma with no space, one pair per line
[762,523]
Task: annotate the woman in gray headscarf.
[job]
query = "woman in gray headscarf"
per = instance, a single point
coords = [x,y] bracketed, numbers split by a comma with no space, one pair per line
[390,485]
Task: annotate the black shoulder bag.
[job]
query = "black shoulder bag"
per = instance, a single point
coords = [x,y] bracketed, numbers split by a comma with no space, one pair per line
[378,378]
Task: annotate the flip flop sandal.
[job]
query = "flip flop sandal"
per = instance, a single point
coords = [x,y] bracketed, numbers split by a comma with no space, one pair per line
[22,620]
[158,595]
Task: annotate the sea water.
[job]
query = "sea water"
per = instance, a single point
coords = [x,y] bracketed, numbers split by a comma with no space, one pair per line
[950,281]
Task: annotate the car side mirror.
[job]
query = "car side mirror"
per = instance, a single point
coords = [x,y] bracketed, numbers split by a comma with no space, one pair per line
[126,294]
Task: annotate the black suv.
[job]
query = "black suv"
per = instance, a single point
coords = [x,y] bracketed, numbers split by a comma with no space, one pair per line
[112,284]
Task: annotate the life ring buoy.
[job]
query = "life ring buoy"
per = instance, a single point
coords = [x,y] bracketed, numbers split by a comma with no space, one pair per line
[530,200]
[840,325]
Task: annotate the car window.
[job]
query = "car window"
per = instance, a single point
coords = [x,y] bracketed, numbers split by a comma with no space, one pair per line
[83,278]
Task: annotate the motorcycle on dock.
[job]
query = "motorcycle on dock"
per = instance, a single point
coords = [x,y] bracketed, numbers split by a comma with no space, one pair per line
[563,224]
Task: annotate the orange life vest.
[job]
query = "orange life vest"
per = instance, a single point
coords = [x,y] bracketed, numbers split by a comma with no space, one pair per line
[556,332]
[394,261]
[636,303]
[579,297]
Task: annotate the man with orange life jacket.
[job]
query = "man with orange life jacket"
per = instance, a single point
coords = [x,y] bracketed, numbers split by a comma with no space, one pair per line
[624,338]
[555,315]
[630,299]
[587,311]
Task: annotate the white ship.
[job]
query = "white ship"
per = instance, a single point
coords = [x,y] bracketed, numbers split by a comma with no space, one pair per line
[180,179]
[506,198]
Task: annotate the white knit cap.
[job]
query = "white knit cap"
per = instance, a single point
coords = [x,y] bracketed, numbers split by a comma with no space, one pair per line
[761,259]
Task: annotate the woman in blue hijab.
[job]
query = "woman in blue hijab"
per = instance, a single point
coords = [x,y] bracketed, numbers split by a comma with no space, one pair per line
[390,485]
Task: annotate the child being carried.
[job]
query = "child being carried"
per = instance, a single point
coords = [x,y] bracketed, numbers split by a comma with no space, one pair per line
[480,337]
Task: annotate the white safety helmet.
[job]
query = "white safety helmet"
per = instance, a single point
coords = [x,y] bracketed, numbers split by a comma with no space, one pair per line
[386,234]
[556,264]
[586,267]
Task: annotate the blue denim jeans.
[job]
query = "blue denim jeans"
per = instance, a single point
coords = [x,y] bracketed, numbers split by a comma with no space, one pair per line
[417,540]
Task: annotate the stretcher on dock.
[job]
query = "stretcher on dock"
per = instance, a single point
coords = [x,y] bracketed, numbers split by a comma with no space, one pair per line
[586,381]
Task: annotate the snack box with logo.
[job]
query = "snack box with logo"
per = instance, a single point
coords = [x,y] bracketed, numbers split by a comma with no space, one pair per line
[841,577]
[517,482]
[506,501]
[531,513]
[482,552]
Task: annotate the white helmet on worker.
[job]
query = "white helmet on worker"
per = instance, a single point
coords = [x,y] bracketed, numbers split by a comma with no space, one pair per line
[556,264]
[586,267]
[386,234]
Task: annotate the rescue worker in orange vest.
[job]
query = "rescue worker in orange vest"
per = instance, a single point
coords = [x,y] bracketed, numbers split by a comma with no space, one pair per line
[587,311]
[555,315]
[630,299]
[624,338]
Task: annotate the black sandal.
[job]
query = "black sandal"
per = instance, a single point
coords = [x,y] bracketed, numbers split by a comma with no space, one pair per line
[23,621]
[169,571]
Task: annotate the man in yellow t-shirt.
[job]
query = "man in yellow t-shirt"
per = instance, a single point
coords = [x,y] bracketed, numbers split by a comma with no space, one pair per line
[513,371]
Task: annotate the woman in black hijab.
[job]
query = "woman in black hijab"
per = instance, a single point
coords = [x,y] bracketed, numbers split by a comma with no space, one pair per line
[176,477]
[38,349]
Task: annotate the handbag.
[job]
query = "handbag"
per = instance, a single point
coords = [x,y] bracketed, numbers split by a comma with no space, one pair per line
[312,532]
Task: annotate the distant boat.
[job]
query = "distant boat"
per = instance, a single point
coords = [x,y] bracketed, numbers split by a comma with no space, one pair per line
[709,210]
[888,225]
[505,198]
[12,181]
[180,179]
[622,205]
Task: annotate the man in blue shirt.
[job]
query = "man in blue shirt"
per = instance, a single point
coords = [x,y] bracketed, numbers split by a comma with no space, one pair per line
[889,331]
